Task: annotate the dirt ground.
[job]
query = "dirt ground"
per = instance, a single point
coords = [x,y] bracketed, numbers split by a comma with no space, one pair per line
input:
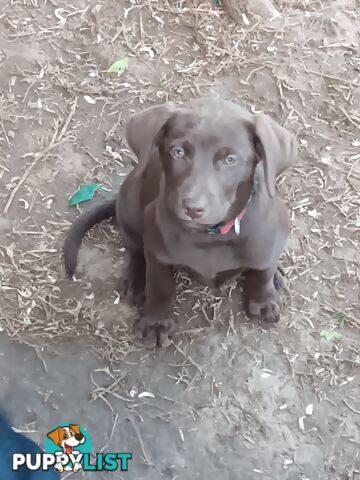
[228,399]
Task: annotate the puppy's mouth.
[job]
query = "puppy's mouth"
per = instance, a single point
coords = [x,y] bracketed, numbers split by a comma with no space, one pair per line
[199,224]
[68,449]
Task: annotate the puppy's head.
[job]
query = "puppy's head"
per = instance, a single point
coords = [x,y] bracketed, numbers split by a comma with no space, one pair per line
[209,150]
[67,437]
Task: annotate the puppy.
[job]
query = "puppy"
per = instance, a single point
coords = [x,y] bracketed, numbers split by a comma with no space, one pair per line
[10,443]
[202,198]
[67,438]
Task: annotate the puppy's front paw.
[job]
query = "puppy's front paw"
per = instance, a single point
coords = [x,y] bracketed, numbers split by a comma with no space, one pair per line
[155,332]
[77,467]
[267,311]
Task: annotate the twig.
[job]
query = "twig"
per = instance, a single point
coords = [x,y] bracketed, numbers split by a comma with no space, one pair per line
[146,457]
[68,120]
[40,357]
[351,408]
[332,77]
[26,432]
[4,130]
[111,433]
[38,157]
[199,367]
[100,395]
[347,115]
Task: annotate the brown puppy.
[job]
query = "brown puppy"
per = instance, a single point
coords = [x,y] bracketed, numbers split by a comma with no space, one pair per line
[202,198]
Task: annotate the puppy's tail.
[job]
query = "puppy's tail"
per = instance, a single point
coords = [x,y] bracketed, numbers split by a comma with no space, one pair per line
[101,211]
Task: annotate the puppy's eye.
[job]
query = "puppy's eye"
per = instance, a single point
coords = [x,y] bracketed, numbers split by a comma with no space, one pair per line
[178,152]
[66,435]
[230,160]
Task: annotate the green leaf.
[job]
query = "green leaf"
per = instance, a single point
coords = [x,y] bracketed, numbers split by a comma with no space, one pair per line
[85,193]
[330,335]
[342,319]
[216,2]
[119,66]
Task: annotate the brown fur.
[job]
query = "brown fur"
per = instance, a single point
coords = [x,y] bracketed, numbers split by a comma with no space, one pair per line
[198,164]
[57,435]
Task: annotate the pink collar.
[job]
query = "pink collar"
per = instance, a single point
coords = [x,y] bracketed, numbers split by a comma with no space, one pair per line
[233,223]
[224,229]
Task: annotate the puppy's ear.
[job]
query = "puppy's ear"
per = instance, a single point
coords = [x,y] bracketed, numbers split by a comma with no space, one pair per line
[55,436]
[143,128]
[75,429]
[275,146]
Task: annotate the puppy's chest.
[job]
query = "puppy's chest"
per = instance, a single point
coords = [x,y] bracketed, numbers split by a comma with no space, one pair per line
[207,260]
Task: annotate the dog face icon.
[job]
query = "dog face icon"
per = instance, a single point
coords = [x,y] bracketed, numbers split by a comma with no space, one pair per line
[67,438]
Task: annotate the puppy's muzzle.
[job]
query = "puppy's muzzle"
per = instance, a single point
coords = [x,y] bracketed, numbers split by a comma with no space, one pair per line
[192,210]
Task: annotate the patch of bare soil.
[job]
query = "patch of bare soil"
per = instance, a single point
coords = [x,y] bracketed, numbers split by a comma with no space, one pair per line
[230,399]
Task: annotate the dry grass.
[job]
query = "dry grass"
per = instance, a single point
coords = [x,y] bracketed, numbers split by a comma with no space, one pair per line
[303,70]
[324,186]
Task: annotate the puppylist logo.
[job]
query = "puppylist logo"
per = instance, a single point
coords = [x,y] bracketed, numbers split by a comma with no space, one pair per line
[68,448]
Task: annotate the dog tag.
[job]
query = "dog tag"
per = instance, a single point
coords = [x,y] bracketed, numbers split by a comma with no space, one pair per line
[237,226]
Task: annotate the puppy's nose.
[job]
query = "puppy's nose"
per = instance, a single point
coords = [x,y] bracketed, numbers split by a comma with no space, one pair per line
[79,437]
[192,210]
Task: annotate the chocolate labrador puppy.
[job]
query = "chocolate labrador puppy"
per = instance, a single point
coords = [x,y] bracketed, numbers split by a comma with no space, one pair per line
[201,198]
